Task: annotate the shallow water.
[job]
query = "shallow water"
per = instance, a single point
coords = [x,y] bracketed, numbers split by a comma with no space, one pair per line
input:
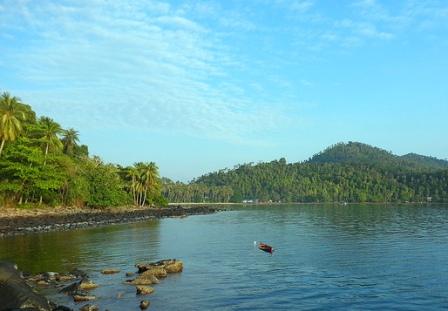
[327,257]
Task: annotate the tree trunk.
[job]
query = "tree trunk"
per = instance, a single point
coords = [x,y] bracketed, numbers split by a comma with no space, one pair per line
[45,162]
[2,145]
[144,199]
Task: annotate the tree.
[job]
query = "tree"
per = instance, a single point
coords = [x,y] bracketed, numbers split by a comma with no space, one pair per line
[145,182]
[12,113]
[70,139]
[48,132]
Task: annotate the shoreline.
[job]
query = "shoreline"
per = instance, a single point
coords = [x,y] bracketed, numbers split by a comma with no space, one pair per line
[20,222]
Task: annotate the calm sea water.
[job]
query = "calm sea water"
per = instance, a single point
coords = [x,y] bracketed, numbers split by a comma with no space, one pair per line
[327,257]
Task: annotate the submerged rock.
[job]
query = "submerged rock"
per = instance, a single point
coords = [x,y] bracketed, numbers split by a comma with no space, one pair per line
[110,271]
[80,297]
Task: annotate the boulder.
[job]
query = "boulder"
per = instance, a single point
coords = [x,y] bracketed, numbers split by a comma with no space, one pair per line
[169,265]
[87,285]
[144,304]
[16,294]
[144,290]
[146,278]
[175,267]
[158,272]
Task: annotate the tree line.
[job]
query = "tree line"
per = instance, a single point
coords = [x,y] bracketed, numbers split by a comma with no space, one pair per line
[278,181]
[42,163]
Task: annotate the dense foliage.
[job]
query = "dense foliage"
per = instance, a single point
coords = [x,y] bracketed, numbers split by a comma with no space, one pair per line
[41,163]
[350,172]
[195,192]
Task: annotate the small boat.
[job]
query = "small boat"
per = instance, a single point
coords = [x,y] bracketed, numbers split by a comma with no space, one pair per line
[265,248]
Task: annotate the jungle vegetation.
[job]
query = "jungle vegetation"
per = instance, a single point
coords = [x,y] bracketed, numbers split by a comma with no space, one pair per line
[345,172]
[43,164]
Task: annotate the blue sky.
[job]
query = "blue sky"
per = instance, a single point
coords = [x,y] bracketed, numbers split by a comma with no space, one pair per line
[198,86]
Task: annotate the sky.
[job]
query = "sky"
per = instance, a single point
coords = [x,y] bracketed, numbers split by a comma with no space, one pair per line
[198,86]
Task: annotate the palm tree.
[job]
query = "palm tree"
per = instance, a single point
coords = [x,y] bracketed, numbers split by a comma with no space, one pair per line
[144,180]
[12,113]
[150,179]
[49,131]
[70,139]
[49,134]
[133,175]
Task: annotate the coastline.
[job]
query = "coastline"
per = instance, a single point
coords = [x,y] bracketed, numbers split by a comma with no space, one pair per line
[20,221]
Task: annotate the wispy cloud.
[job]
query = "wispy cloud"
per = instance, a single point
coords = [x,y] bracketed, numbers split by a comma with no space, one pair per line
[143,64]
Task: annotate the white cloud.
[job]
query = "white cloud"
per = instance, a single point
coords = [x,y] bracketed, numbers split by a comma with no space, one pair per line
[134,64]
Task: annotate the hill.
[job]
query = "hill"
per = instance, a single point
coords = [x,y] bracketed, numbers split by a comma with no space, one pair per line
[351,172]
[359,153]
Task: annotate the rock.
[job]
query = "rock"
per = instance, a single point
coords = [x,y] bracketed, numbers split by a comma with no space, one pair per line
[158,272]
[42,283]
[150,275]
[79,298]
[70,289]
[89,307]
[139,281]
[16,294]
[129,274]
[144,304]
[172,264]
[65,277]
[144,290]
[87,285]
[175,267]
[110,271]
[146,278]
[79,273]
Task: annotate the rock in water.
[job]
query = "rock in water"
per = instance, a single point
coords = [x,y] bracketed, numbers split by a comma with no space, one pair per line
[144,304]
[175,267]
[79,298]
[89,307]
[110,271]
[144,290]
[16,294]
[87,285]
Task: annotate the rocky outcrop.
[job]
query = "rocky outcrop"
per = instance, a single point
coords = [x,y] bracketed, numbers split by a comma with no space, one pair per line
[16,294]
[16,291]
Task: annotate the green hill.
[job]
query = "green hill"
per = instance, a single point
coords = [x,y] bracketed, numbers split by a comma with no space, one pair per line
[351,172]
[359,153]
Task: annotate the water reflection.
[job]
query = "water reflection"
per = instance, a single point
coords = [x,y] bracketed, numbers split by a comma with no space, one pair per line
[63,251]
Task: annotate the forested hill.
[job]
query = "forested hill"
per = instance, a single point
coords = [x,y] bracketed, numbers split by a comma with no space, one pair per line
[358,153]
[350,172]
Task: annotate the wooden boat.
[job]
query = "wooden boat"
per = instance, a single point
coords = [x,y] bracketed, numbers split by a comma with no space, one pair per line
[265,248]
